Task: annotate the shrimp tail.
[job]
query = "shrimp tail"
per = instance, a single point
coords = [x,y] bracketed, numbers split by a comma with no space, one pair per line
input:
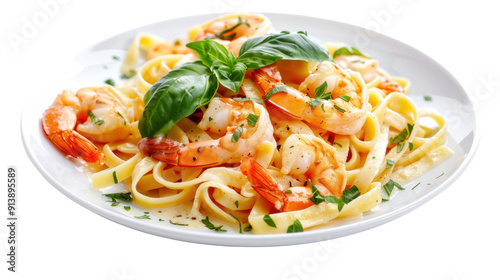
[172,152]
[267,187]
[262,182]
[269,77]
[75,145]
[160,148]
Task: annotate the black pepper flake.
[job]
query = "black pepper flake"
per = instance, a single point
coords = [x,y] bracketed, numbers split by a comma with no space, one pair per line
[194,158]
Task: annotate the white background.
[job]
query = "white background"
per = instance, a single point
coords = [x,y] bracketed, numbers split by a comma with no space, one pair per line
[453,237]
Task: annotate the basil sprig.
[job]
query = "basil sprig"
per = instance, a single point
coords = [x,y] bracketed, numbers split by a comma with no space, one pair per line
[175,96]
[179,93]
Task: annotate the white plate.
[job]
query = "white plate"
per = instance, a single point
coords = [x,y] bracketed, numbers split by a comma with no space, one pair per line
[427,78]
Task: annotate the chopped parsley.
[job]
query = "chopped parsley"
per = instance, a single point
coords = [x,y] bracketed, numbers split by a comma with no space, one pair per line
[130,74]
[345,98]
[295,227]
[231,36]
[211,226]
[237,204]
[94,119]
[415,186]
[120,196]
[339,109]
[243,99]
[110,82]
[237,133]
[115,57]
[127,208]
[347,196]
[440,175]
[178,224]
[387,189]
[427,98]
[274,90]
[269,221]
[320,95]
[390,163]
[400,147]
[238,220]
[289,191]
[247,228]
[144,217]
[252,119]
[403,135]
[115,178]
[124,120]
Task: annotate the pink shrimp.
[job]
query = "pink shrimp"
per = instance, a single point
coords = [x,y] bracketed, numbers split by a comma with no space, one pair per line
[226,117]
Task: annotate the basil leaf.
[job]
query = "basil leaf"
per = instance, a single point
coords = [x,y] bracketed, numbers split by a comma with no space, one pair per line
[295,227]
[346,51]
[210,51]
[231,76]
[260,51]
[175,96]
[230,73]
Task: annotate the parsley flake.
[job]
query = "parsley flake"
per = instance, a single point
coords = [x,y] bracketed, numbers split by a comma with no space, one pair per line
[269,221]
[237,133]
[178,224]
[295,227]
[211,226]
[124,120]
[252,119]
[115,178]
[274,90]
[110,82]
[339,109]
[144,217]
[94,119]
[243,99]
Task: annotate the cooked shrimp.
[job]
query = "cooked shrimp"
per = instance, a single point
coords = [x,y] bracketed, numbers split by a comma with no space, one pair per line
[224,117]
[233,30]
[301,155]
[102,114]
[369,70]
[344,114]
[283,198]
